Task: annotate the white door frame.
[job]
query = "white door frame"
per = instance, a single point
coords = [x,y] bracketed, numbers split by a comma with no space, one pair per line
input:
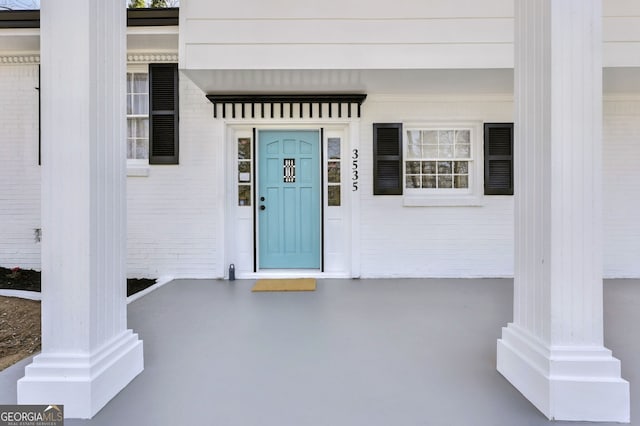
[240,224]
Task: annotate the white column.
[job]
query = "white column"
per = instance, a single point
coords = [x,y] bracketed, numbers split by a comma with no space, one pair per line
[553,351]
[88,355]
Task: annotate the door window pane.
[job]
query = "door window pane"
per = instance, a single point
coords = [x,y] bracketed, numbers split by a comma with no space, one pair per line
[245,166]
[333,172]
[244,195]
[244,149]
[333,195]
[333,148]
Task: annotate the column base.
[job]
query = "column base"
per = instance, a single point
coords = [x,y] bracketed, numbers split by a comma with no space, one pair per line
[82,383]
[565,383]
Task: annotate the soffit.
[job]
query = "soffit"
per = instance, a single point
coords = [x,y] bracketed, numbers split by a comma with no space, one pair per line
[139,39]
[401,82]
[463,82]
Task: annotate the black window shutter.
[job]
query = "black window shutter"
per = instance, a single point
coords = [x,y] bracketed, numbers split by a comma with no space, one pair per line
[387,159]
[498,158]
[163,114]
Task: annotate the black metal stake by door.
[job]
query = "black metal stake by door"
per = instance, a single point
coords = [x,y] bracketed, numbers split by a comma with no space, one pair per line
[232,272]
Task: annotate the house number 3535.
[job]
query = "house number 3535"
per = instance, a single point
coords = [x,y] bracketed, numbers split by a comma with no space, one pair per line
[354,170]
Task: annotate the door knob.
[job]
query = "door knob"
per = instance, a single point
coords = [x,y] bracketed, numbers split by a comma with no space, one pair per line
[262,207]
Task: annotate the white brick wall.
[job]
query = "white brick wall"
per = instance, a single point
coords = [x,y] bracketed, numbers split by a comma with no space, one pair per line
[621,198]
[175,212]
[478,241]
[19,170]
[172,212]
[432,241]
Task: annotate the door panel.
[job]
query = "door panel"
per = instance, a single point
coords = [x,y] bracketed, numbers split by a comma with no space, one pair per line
[289,180]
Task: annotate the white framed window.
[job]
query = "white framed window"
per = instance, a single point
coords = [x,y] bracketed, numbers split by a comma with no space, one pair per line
[441,164]
[138,115]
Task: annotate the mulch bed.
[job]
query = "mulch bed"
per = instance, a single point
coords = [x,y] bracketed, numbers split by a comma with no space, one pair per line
[28,279]
[19,279]
[20,331]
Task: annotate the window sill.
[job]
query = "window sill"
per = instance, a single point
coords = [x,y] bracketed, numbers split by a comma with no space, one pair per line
[443,201]
[138,170]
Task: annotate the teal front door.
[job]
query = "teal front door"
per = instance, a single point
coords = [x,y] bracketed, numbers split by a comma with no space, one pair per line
[288,206]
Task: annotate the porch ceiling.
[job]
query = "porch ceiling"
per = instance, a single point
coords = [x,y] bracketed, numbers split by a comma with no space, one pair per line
[401,82]
[410,81]
[622,81]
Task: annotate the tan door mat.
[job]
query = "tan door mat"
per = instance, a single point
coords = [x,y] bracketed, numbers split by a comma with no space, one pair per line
[298,284]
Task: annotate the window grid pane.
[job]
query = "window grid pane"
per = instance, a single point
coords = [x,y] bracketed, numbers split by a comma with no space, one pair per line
[438,159]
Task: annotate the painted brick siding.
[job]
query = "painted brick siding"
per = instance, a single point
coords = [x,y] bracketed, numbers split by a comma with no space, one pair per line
[478,241]
[175,214]
[621,198]
[432,241]
[172,213]
[19,170]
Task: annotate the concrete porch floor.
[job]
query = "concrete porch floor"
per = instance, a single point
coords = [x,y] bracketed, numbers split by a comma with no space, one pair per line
[354,352]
